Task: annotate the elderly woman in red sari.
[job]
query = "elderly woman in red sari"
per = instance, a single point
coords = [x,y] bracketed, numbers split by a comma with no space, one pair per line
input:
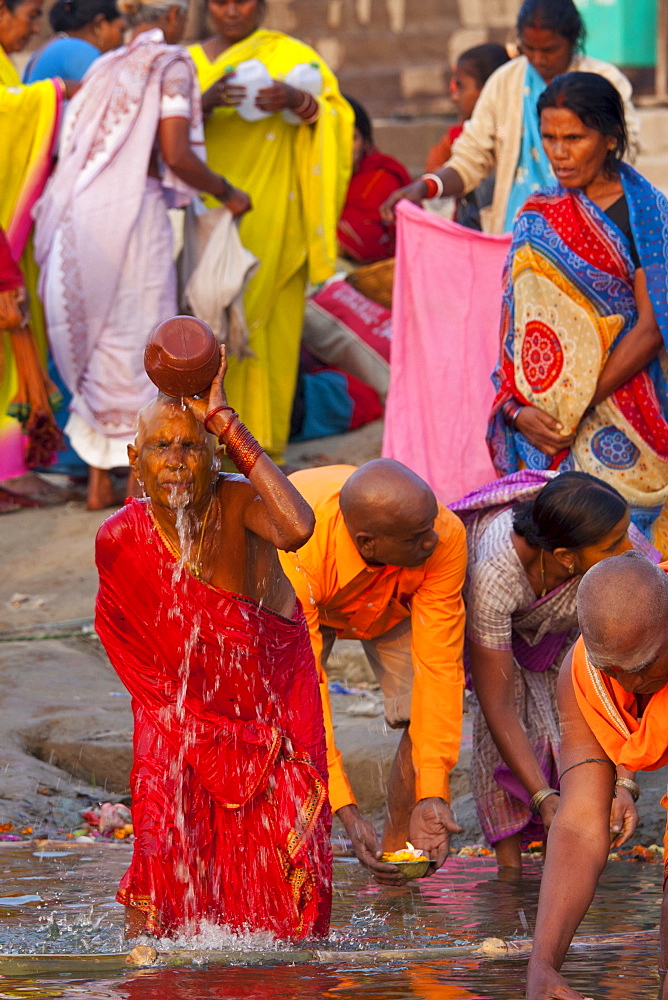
[229,781]
[132,147]
[580,382]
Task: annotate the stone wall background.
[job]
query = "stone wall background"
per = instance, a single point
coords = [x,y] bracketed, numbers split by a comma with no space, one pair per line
[393,55]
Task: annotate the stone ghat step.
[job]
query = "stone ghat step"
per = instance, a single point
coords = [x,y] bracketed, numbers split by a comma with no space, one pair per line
[144,956]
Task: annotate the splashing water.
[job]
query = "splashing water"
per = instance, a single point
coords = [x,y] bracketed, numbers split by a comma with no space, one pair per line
[300,569]
[213,937]
[186,530]
[460,905]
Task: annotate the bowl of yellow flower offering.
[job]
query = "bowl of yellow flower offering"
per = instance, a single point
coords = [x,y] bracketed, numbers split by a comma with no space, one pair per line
[411,862]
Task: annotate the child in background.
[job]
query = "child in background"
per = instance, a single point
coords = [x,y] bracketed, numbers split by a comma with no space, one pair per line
[361,234]
[471,71]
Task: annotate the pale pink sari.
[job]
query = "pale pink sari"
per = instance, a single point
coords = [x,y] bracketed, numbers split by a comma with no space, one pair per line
[103,238]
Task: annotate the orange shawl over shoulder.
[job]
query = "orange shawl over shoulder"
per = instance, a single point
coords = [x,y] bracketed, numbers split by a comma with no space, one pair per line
[638,744]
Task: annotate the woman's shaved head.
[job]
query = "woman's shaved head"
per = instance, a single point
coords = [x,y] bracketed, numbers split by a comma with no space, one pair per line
[623,611]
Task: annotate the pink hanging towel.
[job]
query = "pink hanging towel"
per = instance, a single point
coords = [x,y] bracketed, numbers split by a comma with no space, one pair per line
[446,312]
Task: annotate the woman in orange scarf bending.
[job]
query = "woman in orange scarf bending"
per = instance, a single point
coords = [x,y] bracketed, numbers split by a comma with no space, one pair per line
[613,703]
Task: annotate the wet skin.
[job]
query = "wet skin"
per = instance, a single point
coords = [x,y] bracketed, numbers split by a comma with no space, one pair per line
[174,460]
[203,513]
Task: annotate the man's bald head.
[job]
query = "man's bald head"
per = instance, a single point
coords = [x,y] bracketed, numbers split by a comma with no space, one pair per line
[382,492]
[623,611]
[389,512]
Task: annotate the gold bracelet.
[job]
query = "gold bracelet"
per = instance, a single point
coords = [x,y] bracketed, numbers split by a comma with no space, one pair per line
[540,796]
[631,786]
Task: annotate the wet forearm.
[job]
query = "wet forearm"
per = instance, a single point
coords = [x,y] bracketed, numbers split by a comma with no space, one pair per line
[284,517]
[279,513]
[288,513]
[564,901]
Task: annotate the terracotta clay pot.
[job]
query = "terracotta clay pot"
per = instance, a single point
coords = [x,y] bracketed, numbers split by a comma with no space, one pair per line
[182,356]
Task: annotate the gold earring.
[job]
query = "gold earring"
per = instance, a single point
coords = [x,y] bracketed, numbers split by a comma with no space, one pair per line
[571,569]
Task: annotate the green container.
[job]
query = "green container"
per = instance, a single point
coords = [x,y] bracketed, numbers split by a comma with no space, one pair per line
[620,31]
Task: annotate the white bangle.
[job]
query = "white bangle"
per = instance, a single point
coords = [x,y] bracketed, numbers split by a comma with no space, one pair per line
[438,182]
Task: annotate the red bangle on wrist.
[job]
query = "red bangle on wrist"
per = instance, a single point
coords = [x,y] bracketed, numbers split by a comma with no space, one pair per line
[243,449]
[431,188]
[434,185]
[308,110]
[213,413]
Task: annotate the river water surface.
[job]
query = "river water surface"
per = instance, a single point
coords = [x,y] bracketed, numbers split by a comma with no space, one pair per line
[61,901]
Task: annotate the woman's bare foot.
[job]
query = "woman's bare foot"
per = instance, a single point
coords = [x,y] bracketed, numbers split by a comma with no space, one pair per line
[100,489]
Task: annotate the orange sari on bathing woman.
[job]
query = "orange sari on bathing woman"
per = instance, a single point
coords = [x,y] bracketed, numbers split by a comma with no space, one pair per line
[611,714]
[229,788]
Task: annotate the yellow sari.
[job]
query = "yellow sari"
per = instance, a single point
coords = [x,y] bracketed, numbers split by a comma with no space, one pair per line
[297,177]
[29,118]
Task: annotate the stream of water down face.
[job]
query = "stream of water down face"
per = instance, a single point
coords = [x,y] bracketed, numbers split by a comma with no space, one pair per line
[62,902]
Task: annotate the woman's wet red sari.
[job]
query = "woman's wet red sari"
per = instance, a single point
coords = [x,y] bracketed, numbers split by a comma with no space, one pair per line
[229,784]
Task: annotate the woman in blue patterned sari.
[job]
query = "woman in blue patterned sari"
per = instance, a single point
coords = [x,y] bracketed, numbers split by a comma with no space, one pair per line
[581,381]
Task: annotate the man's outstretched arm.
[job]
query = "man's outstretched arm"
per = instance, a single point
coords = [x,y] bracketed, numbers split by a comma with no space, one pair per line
[577,847]
[361,832]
